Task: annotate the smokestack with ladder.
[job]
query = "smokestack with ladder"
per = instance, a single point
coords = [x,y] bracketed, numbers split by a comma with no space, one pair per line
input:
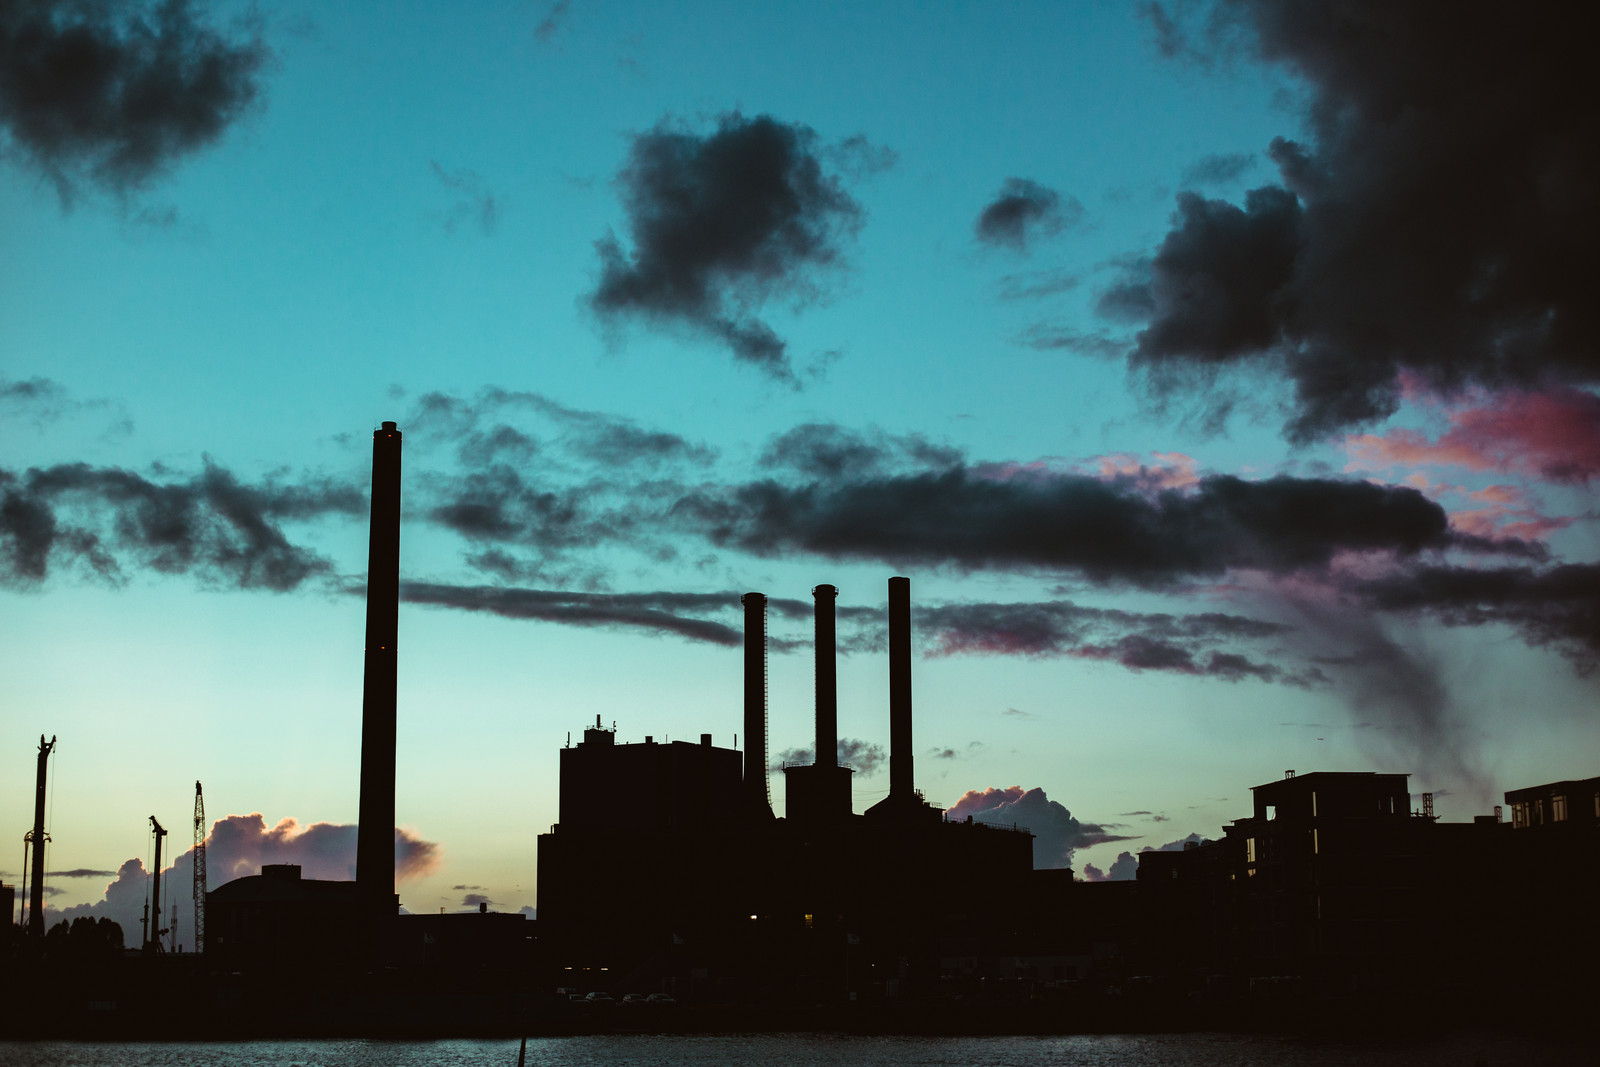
[375,831]
[757,801]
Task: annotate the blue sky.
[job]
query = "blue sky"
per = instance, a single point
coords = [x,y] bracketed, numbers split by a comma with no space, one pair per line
[400,213]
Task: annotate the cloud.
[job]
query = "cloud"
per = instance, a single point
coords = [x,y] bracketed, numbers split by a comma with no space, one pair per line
[1024,209]
[1218,169]
[1433,221]
[472,900]
[867,758]
[1550,606]
[1136,640]
[826,450]
[1124,869]
[1107,531]
[1056,834]
[1032,285]
[473,201]
[550,25]
[211,525]
[660,612]
[44,401]
[114,94]
[1126,866]
[1552,434]
[721,222]
[82,872]
[237,847]
[597,437]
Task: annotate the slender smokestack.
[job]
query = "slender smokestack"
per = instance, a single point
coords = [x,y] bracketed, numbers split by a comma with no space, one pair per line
[827,678]
[36,897]
[902,782]
[375,834]
[757,795]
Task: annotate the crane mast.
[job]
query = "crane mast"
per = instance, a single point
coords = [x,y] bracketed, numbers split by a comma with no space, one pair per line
[155,931]
[199,870]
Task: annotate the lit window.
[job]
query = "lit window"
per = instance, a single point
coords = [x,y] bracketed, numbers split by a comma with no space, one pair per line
[1558,809]
[1316,847]
[1249,850]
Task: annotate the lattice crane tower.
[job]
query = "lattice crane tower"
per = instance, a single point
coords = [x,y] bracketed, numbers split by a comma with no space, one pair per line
[199,870]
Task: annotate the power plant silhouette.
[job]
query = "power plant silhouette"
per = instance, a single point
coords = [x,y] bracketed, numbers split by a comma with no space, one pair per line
[667,871]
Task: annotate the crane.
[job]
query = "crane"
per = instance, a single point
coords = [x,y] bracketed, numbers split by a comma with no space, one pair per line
[199,870]
[155,931]
[37,839]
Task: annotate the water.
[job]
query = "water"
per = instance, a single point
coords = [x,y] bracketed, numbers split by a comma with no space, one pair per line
[819,1050]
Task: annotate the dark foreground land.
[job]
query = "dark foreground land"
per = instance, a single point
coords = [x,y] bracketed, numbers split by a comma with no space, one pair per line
[137,999]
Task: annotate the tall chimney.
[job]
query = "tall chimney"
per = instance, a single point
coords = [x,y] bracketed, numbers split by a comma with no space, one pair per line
[36,897]
[375,833]
[757,795]
[902,784]
[827,678]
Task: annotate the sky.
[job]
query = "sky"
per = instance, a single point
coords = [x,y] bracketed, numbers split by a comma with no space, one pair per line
[1223,376]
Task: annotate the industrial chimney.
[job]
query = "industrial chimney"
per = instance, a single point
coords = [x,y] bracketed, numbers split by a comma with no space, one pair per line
[902,781]
[827,677]
[822,790]
[903,799]
[375,833]
[757,801]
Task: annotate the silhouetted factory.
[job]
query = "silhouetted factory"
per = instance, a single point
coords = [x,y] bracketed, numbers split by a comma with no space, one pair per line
[667,862]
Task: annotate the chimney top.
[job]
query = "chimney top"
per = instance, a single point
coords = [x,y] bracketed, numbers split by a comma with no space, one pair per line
[391,426]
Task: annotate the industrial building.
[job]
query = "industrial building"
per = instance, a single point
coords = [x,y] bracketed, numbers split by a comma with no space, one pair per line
[667,867]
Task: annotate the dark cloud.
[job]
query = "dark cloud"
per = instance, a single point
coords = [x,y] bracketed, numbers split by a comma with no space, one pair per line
[211,525]
[1024,209]
[114,94]
[472,900]
[866,757]
[1136,640]
[1108,530]
[827,451]
[1437,220]
[474,202]
[721,222]
[651,612]
[1556,606]
[1056,834]
[82,872]
[1218,169]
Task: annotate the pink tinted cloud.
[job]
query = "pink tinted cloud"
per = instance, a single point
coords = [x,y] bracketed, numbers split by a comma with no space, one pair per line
[1169,470]
[1553,435]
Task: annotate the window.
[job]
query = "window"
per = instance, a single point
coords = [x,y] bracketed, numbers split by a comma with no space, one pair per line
[1558,809]
[1538,812]
[1315,844]
[1519,815]
[1249,850]
[1313,803]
